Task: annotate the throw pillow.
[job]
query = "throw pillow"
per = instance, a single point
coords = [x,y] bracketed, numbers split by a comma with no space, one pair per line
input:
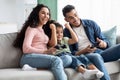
[111,35]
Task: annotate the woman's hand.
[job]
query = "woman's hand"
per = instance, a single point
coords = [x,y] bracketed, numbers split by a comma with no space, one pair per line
[51,51]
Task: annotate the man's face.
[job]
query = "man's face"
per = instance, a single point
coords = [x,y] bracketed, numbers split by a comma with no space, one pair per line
[72,18]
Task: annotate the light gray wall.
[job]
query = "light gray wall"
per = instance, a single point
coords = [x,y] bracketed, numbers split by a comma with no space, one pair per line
[7,10]
[14,11]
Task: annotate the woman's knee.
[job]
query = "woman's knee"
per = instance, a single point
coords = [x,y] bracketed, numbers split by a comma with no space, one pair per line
[56,61]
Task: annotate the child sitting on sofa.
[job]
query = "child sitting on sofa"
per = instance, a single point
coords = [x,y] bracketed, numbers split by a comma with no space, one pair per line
[81,63]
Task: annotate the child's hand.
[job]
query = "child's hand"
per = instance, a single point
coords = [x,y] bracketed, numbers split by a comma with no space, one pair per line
[52,26]
[67,26]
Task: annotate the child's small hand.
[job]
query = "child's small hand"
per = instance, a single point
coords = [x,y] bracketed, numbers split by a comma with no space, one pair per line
[52,26]
[67,26]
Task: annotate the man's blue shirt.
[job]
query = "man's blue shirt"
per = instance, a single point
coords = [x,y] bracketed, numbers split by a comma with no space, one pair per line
[92,31]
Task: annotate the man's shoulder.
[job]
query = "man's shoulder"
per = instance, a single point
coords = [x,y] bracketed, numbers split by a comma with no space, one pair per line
[87,20]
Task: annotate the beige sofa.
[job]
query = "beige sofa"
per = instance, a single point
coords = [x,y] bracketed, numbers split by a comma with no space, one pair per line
[10,70]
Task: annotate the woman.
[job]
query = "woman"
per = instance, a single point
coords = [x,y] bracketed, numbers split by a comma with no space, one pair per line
[33,42]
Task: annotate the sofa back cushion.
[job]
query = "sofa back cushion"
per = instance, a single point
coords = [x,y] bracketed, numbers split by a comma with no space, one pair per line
[111,35]
[9,56]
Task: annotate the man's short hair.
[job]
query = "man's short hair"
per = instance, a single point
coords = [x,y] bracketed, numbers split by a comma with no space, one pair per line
[67,9]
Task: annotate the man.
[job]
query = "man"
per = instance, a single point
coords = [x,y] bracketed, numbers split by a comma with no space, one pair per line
[89,34]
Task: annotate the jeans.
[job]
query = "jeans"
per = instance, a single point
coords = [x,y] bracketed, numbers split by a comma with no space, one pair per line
[111,54]
[45,61]
[81,60]
[67,60]
[97,60]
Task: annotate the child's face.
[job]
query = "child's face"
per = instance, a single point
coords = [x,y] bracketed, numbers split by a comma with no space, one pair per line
[59,33]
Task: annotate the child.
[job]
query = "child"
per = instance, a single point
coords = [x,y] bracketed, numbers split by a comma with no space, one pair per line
[62,48]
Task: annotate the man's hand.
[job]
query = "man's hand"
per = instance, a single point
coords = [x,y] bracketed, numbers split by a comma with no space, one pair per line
[88,49]
[101,44]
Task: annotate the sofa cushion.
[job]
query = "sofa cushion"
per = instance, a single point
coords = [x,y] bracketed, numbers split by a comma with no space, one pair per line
[9,56]
[111,35]
[18,74]
[37,75]
[113,66]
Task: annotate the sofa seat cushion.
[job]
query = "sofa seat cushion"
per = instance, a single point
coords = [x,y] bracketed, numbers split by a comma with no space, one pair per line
[18,74]
[113,67]
[74,75]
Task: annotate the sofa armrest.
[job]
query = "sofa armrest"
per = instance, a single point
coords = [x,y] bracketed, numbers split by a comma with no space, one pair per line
[118,39]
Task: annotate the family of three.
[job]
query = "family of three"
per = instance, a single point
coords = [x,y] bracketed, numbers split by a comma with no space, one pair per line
[45,46]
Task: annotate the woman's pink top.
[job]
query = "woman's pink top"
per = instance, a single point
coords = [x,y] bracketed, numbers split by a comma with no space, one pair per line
[35,40]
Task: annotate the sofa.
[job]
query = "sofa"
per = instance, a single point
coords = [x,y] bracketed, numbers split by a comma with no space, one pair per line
[10,69]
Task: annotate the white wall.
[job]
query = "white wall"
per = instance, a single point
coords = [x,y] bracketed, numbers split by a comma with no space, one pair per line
[7,11]
[105,12]
[14,11]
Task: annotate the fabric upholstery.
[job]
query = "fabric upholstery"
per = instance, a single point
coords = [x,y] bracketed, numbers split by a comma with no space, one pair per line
[9,56]
[111,35]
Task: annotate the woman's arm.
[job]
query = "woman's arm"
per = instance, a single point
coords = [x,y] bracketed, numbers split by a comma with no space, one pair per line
[27,43]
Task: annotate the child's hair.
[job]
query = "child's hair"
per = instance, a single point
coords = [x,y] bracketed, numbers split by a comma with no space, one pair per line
[58,25]
[47,29]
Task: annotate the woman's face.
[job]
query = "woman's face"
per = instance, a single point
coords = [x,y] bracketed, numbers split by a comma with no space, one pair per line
[44,15]
[59,33]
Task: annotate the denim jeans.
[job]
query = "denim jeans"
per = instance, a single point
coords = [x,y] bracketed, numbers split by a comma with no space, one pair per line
[111,54]
[45,61]
[108,55]
[97,60]
[67,60]
[81,60]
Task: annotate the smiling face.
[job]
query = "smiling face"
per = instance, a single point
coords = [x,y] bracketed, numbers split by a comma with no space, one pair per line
[72,18]
[59,33]
[44,15]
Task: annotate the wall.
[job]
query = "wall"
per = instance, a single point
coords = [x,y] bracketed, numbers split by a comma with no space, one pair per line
[52,4]
[14,11]
[105,12]
[7,11]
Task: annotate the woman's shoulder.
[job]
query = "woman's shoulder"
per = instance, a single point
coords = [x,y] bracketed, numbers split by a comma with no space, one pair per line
[31,30]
